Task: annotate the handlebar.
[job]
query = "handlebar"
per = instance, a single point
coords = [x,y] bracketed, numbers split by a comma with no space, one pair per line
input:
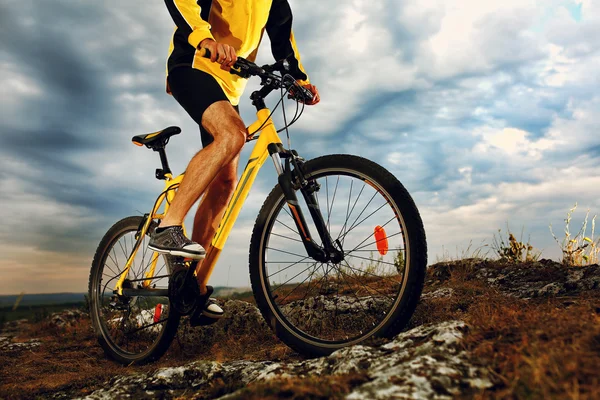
[246,69]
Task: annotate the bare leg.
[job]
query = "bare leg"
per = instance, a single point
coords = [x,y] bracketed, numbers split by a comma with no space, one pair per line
[213,204]
[229,131]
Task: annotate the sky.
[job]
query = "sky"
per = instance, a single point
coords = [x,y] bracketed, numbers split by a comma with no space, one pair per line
[487,112]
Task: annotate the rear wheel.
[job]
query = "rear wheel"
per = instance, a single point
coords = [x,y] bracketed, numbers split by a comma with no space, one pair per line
[130,329]
[315,307]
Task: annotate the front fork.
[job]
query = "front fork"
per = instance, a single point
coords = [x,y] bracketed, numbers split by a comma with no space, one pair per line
[289,184]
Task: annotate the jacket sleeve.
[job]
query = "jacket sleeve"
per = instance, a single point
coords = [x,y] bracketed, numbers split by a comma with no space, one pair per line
[186,15]
[283,44]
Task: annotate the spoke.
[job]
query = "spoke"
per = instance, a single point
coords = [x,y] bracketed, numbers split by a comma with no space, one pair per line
[143,246]
[371,259]
[292,278]
[352,226]
[113,260]
[332,201]
[287,227]
[367,238]
[367,217]
[147,326]
[327,191]
[284,208]
[352,210]
[148,265]
[111,270]
[287,252]
[365,285]
[376,241]
[347,209]
[123,250]
[283,262]
[353,292]
[308,288]
[377,276]
[286,237]
[300,284]
[126,251]
[289,266]
[337,297]
[324,298]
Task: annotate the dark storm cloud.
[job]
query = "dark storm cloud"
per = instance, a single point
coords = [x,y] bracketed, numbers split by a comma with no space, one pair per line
[69,52]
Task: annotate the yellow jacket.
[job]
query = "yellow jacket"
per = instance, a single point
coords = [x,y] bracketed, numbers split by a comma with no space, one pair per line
[238,23]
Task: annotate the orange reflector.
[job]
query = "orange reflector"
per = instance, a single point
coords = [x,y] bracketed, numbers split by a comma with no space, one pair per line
[138,144]
[157,312]
[381,240]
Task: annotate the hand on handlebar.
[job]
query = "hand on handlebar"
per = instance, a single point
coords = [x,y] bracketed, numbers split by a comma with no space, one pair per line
[309,96]
[220,53]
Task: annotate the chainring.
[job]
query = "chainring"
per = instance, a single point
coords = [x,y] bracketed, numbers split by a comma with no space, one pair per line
[183,293]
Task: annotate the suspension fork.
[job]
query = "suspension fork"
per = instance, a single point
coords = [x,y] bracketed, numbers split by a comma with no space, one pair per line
[308,188]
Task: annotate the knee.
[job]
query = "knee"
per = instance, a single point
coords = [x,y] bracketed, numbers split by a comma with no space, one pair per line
[233,140]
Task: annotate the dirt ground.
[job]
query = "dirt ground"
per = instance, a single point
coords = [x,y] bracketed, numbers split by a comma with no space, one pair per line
[541,348]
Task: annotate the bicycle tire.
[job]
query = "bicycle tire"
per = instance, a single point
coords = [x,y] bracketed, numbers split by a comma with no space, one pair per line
[415,262]
[97,298]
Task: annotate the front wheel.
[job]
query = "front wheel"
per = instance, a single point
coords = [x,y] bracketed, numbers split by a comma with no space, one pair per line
[318,307]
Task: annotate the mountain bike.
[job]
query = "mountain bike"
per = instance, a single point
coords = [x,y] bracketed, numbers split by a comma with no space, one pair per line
[337,254]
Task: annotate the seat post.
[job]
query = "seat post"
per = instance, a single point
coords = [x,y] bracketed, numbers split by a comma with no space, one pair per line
[160,173]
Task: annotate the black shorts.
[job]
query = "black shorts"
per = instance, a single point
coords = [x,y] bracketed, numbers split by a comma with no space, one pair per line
[195,91]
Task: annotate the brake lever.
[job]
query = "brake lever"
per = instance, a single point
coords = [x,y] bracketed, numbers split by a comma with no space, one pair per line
[305,96]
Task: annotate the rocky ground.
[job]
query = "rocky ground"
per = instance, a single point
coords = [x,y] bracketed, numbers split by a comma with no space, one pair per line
[483,329]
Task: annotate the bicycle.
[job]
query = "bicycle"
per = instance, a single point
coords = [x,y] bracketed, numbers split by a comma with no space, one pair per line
[351,282]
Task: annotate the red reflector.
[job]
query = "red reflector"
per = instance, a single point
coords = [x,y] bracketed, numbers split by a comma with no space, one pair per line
[157,312]
[381,240]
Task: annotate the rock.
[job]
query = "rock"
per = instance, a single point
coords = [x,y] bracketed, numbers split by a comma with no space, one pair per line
[438,294]
[425,362]
[541,278]
[66,318]
[7,345]
[12,328]
[240,318]
[322,314]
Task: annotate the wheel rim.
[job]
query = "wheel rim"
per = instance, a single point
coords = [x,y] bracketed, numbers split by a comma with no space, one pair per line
[131,326]
[333,305]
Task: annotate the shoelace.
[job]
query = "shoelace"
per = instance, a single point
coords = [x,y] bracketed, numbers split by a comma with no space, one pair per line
[178,237]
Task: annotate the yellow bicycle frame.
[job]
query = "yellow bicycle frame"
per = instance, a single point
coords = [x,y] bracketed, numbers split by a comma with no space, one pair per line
[204,268]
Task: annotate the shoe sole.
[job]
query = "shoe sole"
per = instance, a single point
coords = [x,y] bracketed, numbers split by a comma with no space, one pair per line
[180,253]
[211,315]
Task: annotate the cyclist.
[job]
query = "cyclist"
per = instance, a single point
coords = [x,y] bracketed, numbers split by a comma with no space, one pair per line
[210,95]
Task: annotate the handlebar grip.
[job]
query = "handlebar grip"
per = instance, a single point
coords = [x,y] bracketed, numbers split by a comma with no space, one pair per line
[204,52]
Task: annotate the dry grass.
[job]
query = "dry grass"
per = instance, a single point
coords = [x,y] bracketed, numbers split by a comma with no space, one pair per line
[536,349]
[581,249]
[70,360]
[513,250]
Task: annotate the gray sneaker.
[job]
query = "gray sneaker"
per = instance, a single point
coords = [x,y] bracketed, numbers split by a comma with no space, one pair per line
[173,241]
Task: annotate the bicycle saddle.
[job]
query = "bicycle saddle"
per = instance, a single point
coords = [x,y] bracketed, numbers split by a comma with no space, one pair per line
[151,139]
